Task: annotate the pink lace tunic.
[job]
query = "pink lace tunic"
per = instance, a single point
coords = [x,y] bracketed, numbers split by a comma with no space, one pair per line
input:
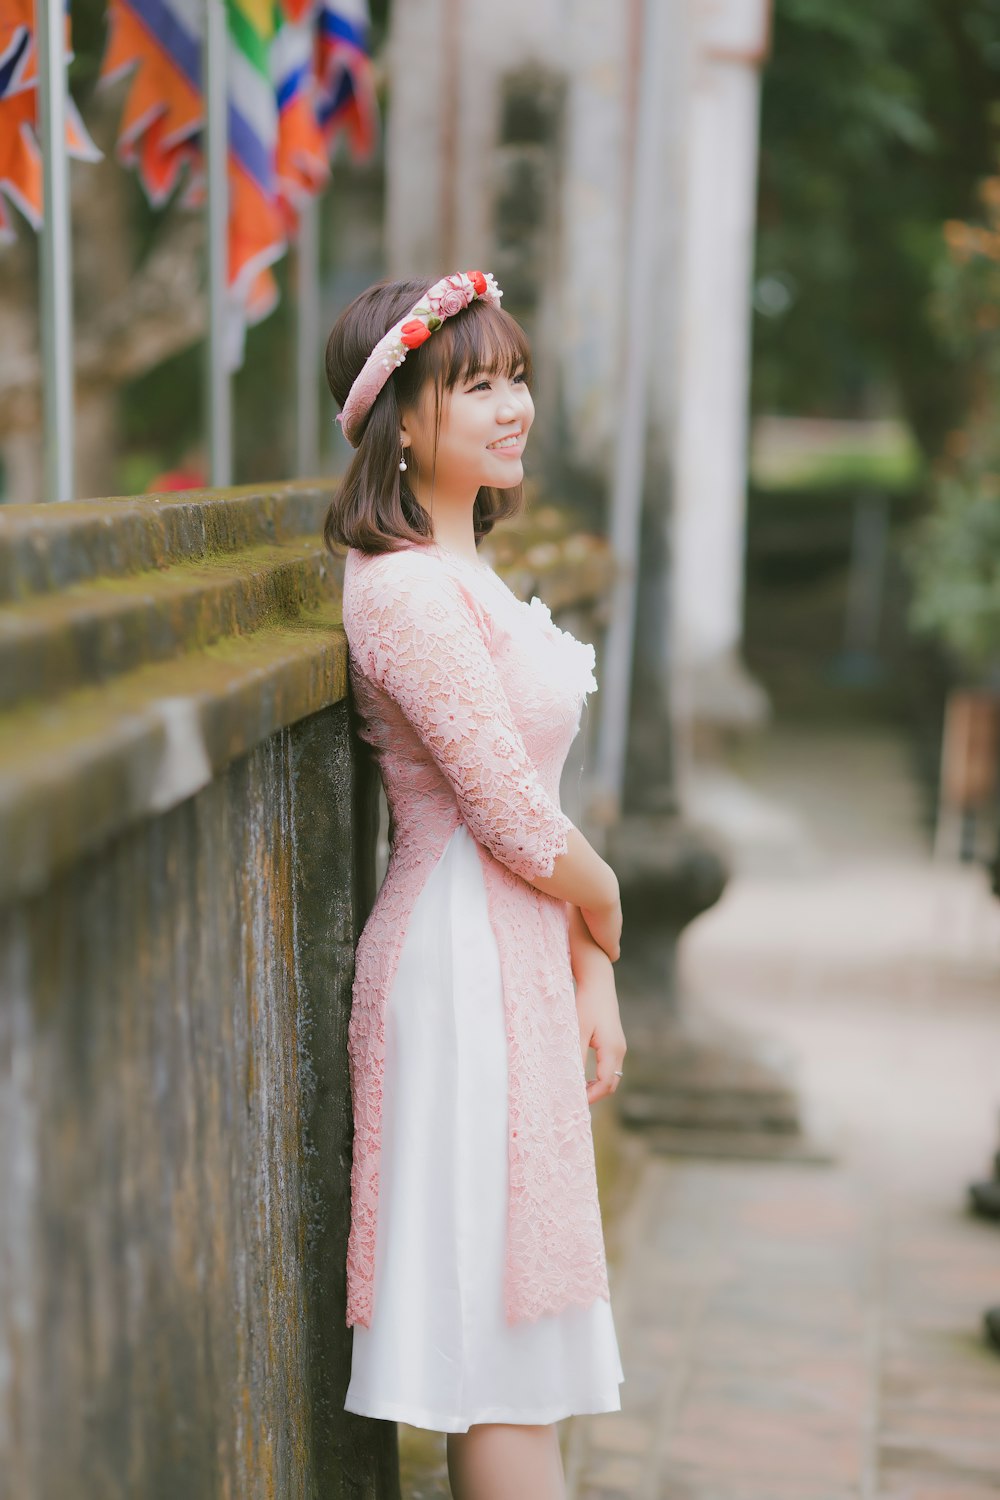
[471,700]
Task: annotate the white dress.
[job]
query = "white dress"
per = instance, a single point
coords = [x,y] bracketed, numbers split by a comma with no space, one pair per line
[439,1353]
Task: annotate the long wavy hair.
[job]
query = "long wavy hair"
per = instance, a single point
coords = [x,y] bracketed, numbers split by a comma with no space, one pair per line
[375,509]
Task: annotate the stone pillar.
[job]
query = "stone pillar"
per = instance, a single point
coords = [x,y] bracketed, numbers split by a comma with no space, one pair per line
[508,148]
[716,266]
[668,871]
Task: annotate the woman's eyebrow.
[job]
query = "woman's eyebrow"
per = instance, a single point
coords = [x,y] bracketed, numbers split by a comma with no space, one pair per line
[500,370]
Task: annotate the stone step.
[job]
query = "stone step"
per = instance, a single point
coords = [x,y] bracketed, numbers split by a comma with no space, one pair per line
[102,627]
[76,771]
[145,644]
[741,1144]
[775,1109]
[46,548]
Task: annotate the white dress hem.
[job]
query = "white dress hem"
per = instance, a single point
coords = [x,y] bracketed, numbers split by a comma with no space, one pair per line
[400,1411]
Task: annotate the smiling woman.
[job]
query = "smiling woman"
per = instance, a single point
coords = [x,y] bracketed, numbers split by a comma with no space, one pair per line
[476,1274]
[478,354]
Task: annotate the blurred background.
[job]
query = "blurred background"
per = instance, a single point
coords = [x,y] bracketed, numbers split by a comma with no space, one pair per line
[756,247]
[823,228]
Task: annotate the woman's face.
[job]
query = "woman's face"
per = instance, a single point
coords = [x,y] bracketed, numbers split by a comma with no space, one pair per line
[484,427]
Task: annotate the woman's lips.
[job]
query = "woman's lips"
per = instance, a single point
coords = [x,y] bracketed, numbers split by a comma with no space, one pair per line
[508,447]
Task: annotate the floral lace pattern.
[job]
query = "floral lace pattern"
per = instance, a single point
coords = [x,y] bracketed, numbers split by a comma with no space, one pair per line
[471,700]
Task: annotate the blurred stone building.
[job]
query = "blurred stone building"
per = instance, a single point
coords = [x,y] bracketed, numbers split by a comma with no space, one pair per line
[512,139]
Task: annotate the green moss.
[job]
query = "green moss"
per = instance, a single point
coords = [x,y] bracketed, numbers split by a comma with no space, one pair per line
[35,731]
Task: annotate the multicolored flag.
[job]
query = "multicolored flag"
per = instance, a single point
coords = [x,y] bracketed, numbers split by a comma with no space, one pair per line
[302,158]
[20,156]
[284,57]
[346,103]
[162,118]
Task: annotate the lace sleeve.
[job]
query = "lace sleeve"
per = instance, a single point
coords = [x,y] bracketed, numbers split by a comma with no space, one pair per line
[423,645]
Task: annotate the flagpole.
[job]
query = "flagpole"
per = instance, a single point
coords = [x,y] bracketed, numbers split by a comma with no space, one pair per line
[56,267]
[218,382]
[307,353]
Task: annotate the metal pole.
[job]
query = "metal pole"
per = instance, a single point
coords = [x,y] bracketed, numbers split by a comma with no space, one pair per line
[57,270]
[307,343]
[630,457]
[216,104]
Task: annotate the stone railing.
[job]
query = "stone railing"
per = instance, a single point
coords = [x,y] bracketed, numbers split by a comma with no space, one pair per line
[188,838]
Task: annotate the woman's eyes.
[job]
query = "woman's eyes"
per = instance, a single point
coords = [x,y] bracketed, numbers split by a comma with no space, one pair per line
[479,384]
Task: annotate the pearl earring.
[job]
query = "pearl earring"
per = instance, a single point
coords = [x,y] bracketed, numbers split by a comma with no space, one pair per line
[402,461]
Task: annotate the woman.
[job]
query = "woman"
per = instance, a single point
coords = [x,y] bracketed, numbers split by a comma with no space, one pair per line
[477,1281]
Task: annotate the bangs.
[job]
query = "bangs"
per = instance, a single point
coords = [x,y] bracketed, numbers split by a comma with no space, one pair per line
[481,340]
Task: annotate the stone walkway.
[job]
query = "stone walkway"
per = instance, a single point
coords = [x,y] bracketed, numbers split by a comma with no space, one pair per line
[800,1332]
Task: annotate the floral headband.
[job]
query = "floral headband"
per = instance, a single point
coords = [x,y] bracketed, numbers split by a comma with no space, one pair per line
[445,298]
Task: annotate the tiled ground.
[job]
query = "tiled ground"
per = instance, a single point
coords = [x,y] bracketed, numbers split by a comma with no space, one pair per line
[788,1332]
[814,1333]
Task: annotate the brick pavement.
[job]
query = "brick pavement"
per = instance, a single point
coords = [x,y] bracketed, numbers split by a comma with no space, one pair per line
[791,1332]
[797,1332]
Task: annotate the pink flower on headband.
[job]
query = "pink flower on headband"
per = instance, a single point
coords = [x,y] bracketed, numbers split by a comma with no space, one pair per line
[451,295]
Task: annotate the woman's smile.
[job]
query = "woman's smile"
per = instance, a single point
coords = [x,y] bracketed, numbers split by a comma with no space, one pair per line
[511,442]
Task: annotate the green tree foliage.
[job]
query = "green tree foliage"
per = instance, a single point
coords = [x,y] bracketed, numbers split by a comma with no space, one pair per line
[876,127]
[956,556]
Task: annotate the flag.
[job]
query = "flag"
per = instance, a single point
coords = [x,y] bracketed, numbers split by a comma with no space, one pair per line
[302,163]
[346,104]
[298,76]
[20,155]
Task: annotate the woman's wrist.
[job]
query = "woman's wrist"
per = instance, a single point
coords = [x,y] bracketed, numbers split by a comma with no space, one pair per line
[586,954]
[614,894]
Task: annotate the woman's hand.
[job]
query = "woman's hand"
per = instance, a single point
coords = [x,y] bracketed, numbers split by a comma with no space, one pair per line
[596,1006]
[605,925]
[600,1029]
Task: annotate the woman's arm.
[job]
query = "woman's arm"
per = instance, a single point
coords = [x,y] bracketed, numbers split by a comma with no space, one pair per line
[588,882]
[415,635]
[596,1007]
[587,957]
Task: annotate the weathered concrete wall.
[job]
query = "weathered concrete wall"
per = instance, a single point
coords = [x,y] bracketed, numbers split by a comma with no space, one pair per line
[188,827]
[176,955]
[174,1014]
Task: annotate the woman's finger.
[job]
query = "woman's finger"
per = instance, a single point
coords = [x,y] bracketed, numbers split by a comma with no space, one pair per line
[609,1058]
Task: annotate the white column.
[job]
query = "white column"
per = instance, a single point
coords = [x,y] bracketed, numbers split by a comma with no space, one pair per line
[714,366]
[601,44]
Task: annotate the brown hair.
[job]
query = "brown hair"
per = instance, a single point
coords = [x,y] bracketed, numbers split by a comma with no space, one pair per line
[375,510]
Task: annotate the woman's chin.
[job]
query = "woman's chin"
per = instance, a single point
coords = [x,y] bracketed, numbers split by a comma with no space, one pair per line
[505,475]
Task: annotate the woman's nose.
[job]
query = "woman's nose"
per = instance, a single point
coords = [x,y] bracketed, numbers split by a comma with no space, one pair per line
[510,407]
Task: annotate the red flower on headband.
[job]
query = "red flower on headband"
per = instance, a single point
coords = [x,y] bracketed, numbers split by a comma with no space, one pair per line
[414,333]
[478,281]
